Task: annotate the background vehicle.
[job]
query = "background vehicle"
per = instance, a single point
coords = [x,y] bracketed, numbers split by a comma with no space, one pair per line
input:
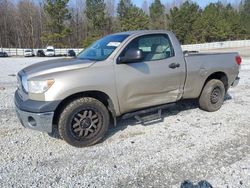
[50,51]
[28,53]
[3,54]
[40,53]
[126,74]
[71,53]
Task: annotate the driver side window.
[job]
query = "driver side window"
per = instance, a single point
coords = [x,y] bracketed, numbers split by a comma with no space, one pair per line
[154,47]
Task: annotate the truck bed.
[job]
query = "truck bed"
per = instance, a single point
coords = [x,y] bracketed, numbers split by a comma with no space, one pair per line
[201,65]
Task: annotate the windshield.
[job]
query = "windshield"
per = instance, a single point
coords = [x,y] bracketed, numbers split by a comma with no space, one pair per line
[50,50]
[28,51]
[103,48]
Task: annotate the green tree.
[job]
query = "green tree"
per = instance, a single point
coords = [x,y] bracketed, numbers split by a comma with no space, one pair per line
[181,20]
[157,15]
[123,8]
[212,25]
[245,16]
[96,17]
[96,20]
[57,14]
[131,17]
[237,28]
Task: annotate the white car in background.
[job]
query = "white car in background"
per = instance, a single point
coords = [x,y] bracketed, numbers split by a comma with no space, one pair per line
[28,53]
[50,51]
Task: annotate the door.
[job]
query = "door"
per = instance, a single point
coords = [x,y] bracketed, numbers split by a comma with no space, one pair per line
[155,80]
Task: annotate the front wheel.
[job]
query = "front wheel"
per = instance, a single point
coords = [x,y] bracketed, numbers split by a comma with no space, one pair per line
[212,96]
[83,122]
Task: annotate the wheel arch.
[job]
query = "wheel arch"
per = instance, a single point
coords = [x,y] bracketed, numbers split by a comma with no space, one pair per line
[99,95]
[219,76]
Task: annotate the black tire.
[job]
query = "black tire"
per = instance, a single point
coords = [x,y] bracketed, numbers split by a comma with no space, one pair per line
[83,122]
[212,96]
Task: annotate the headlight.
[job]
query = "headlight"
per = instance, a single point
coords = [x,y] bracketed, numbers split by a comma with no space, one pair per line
[39,86]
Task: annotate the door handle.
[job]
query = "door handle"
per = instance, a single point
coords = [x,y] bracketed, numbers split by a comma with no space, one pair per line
[174,65]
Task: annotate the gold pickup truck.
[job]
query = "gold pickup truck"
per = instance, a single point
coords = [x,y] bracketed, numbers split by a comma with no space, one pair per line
[121,75]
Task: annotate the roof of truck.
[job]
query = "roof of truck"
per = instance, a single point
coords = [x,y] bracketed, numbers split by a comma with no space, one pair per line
[141,32]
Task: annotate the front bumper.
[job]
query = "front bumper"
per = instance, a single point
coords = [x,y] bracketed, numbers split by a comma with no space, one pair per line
[37,115]
[28,55]
[37,121]
[236,82]
[49,54]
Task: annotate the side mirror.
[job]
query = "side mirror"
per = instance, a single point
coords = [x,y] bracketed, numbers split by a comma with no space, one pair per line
[131,56]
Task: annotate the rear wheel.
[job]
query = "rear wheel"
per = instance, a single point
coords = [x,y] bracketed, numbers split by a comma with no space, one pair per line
[83,122]
[212,96]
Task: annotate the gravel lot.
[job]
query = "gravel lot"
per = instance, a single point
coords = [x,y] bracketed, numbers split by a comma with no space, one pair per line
[189,144]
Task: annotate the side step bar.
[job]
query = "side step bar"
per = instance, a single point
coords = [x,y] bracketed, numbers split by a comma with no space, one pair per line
[144,120]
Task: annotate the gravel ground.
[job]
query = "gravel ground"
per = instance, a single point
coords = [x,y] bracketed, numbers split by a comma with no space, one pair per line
[189,144]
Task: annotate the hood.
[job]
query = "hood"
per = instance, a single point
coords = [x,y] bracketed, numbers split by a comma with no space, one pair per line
[57,65]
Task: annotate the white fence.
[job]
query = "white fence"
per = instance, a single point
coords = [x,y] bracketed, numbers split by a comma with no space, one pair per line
[20,51]
[217,45]
[190,47]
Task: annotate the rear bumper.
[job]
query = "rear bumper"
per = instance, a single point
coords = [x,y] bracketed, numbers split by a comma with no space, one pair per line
[236,82]
[37,121]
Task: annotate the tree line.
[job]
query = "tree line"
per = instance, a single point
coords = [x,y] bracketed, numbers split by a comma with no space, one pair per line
[77,23]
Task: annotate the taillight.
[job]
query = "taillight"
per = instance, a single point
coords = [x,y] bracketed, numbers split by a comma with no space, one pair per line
[238,60]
